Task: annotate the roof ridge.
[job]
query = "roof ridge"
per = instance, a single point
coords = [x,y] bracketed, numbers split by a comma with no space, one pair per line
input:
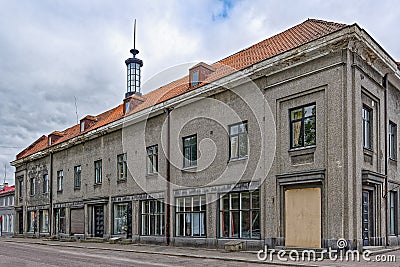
[326,21]
[282,33]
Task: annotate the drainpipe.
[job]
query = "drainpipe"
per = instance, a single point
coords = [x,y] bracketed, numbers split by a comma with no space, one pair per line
[51,195]
[168,170]
[385,85]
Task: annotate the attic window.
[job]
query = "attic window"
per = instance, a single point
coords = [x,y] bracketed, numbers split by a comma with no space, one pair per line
[195,78]
[127,105]
[54,137]
[82,126]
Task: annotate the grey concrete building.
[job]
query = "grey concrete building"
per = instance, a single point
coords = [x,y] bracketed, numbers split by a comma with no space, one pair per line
[290,142]
[7,210]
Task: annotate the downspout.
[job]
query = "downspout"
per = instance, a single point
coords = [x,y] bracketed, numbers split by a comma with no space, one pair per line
[168,174]
[51,195]
[385,85]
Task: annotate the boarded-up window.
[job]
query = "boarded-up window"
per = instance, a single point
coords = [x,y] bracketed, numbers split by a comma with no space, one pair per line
[77,221]
[303,217]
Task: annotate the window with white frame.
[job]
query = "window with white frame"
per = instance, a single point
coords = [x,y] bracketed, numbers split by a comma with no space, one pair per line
[153,218]
[191,216]
[152,159]
[60,178]
[60,220]
[77,177]
[238,140]
[366,127]
[190,151]
[98,174]
[195,78]
[240,215]
[121,218]
[121,167]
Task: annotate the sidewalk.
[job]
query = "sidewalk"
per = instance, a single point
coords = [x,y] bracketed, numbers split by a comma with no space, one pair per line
[200,253]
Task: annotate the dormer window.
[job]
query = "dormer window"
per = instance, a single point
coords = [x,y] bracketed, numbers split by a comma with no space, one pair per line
[54,137]
[87,122]
[131,102]
[199,73]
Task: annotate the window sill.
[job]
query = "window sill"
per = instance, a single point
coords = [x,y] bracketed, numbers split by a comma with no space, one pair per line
[302,150]
[77,188]
[238,159]
[121,181]
[97,184]
[368,152]
[189,169]
[59,191]
[393,161]
[152,175]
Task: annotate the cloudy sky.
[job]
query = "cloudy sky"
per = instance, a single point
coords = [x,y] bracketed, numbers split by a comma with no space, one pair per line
[52,51]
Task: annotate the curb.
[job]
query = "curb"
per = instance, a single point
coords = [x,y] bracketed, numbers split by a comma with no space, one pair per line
[235,259]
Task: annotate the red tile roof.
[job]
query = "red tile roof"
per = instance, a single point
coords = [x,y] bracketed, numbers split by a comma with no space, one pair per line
[298,35]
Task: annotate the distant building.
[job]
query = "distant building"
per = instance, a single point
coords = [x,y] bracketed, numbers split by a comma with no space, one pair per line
[290,142]
[7,210]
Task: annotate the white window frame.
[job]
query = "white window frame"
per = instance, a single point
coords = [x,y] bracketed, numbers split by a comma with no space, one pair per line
[191,215]
[152,217]
[60,180]
[152,159]
[98,171]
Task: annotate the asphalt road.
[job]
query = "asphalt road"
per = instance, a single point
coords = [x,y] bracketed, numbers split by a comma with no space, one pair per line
[32,255]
